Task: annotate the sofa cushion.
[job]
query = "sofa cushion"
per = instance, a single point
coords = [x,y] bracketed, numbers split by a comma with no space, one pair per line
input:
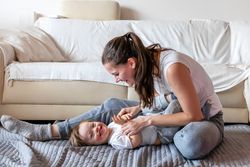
[223,76]
[81,40]
[240,40]
[206,41]
[87,71]
[61,92]
[33,45]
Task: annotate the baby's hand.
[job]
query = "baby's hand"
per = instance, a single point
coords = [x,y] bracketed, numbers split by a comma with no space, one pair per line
[121,119]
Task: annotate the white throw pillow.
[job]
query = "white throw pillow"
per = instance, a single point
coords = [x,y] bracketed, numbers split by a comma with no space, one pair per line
[33,45]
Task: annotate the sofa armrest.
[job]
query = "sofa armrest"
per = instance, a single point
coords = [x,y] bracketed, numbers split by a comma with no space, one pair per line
[247,94]
[7,55]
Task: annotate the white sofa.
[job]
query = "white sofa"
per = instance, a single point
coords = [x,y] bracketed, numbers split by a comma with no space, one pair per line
[51,90]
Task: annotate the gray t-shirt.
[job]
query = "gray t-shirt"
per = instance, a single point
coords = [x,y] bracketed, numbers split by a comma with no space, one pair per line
[202,83]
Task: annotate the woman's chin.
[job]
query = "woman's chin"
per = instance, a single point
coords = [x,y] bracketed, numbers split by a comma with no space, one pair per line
[130,84]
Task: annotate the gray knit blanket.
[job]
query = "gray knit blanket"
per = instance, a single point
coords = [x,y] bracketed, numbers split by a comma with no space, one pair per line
[15,150]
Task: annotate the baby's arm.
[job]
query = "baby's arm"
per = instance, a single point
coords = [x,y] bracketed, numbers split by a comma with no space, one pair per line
[135,140]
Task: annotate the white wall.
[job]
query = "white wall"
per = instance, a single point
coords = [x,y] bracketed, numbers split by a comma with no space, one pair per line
[186,9]
[19,13]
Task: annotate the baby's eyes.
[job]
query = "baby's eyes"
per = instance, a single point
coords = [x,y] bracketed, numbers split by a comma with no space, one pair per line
[91,133]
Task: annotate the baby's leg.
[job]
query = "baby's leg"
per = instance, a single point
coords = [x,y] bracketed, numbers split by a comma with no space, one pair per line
[167,133]
[160,102]
[173,107]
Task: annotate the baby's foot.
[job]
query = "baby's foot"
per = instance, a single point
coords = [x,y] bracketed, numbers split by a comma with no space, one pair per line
[28,130]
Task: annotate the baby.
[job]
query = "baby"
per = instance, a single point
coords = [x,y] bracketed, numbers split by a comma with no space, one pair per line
[97,133]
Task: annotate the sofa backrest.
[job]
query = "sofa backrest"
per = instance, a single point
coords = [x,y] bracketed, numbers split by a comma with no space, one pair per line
[207,41]
[81,40]
[240,42]
[204,40]
[221,47]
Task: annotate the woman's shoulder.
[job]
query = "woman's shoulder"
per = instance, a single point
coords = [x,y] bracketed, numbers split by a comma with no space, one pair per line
[171,54]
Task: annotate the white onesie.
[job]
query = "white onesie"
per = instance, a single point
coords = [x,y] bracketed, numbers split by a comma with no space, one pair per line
[120,141]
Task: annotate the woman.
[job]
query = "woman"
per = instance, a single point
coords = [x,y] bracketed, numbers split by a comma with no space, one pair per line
[153,71]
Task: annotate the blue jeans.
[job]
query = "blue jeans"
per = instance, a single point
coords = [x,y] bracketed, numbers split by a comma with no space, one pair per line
[198,139]
[194,141]
[165,134]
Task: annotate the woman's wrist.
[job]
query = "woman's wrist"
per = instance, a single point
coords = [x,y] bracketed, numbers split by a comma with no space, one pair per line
[137,110]
[148,121]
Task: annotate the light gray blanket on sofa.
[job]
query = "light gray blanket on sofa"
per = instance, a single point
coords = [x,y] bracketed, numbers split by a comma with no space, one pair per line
[17,151]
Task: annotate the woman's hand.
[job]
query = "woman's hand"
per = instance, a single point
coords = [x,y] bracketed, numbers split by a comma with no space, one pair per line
[126,114]
[121,119]
[129,112]
[135,125]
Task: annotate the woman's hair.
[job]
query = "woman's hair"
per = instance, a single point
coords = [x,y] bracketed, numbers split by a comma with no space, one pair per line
[120,49]
[75,139]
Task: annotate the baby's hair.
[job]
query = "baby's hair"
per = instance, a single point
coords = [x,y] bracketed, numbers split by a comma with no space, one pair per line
[75,139]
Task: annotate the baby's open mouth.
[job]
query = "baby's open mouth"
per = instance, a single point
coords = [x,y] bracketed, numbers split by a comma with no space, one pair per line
[101,130]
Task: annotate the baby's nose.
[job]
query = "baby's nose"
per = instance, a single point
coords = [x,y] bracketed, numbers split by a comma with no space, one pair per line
[97,128]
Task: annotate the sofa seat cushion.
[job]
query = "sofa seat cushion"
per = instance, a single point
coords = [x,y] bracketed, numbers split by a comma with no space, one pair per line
[223,76]
[91,71]
[56,92]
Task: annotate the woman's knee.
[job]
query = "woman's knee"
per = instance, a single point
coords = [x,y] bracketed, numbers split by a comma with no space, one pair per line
[197,139]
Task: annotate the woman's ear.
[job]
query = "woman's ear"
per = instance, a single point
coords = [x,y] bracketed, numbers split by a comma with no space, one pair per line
[132,62]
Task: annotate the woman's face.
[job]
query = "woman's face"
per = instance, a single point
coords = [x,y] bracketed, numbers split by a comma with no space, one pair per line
[94,133]
[123,72]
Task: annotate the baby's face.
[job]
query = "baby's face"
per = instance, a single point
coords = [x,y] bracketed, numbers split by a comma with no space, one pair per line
[94,133]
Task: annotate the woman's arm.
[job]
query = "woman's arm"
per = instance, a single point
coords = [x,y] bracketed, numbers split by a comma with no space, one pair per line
[179,79]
